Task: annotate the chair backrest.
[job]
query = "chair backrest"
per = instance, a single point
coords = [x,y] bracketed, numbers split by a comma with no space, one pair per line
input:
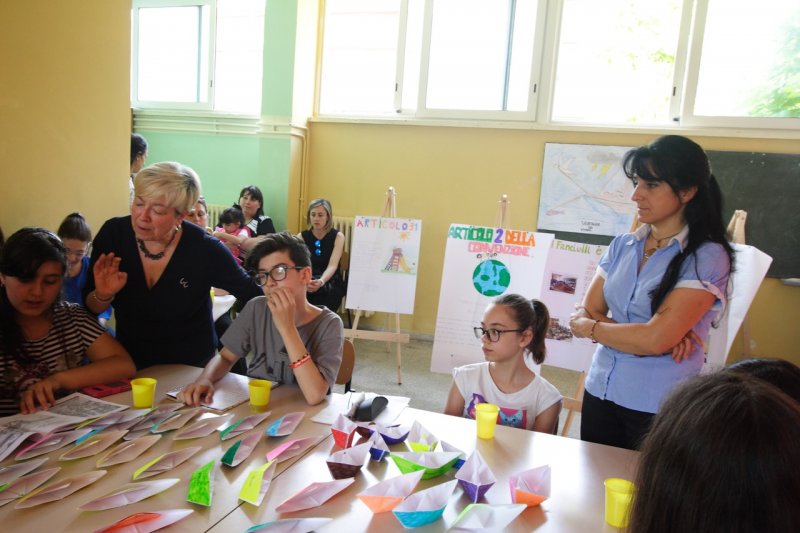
[348,363]
[573,405]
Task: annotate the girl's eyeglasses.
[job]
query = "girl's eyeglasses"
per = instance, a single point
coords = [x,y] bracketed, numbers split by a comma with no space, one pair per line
[493,334]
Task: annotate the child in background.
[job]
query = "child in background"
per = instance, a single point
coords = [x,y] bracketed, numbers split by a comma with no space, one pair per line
[231,231]
[512,325]
[43,339]
[76,235]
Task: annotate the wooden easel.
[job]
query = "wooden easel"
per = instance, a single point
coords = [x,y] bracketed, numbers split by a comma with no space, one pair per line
[501,220]
[389,211]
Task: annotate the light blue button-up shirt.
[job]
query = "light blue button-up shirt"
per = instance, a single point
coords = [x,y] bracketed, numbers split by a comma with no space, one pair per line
[642,382]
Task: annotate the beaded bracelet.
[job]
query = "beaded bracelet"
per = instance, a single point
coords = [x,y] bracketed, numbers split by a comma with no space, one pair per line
[591,332]
[304,359]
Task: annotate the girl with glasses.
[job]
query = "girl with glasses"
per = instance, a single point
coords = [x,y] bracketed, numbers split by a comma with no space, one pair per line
[326,245]
[512,328]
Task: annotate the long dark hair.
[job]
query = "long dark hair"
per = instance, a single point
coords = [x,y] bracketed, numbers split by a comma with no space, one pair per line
[529,314]
[22,255]
[682,164]
[254,193]
[721,456]
[74,226]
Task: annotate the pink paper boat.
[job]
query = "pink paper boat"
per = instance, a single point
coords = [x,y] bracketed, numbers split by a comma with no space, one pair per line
[127,451]
[25,485]
[386,495]
[128,494]
[314,495]
[11,472]
[146,522]
[58,490]
[290,449]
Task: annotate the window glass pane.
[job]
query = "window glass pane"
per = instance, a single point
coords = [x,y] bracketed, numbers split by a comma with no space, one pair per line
[519,79]
[750,64]
[239,52]
[616,60]
[169,54]
[359,56]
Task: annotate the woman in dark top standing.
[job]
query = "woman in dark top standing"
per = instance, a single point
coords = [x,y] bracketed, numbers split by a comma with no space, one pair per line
[326,245]
[158,269]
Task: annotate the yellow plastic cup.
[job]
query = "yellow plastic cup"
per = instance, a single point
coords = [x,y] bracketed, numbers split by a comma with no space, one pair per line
[619,494]
[144,392]
[259,393]
[486,417]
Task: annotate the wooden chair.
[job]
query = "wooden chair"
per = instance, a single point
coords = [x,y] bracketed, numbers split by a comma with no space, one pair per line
[573,405]
[345,376]
[344,269]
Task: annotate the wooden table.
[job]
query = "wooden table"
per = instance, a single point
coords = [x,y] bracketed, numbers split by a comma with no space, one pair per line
[64,516]
[576,502]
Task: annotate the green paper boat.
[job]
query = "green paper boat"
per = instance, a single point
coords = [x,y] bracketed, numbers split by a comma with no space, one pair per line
[201,485]
[433,463]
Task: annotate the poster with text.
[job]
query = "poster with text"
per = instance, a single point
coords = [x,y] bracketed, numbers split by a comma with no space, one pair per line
[567,275]
[384,256]
[481,263]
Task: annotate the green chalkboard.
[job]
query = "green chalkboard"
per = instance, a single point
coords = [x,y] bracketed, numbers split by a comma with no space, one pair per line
[767,186]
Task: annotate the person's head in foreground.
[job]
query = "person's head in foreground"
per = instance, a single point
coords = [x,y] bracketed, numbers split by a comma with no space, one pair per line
[281,260]
[777,372]
[722,455]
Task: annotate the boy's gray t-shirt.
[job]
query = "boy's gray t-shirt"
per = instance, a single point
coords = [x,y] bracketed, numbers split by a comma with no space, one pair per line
[254,332]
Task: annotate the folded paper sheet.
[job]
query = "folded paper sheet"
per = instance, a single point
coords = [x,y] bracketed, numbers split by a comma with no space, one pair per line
[425,506]
[58,490]
[433,463]
[346,463]
[475,477]
[127,451]
[146,522]
[387,494]
[50,442]
[344,430]
[176,421]
[393,434]
[290,525]
[11,472]
[129,493]
[155,417]
[314,495]
[290,449]
[94,445]
[240,450]
[285,424]
[484,517]
[378,448]
[203,428]
[447,447]
[420,439]
[25,485]
[257,484]
[201,486]
[243,425]
[165,463]
[530,487]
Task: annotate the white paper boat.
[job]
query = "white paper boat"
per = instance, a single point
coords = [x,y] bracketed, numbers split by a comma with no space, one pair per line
[146,522]
[314,495]
[11,472]
[58,490]
[51,442]
[484,517]
[203,428]
[166,462]
[243,425]
[93,445]
[26,484]
[127,451]
[129,493]
[387,494]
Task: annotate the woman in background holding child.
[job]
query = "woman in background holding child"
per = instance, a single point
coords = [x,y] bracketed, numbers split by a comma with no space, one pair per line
[512,325]
[231,231]
[42,339]
[76,235]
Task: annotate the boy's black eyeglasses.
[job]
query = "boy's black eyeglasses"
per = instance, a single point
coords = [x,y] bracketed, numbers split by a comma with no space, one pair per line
[318,246]
[278,273]
[493,334]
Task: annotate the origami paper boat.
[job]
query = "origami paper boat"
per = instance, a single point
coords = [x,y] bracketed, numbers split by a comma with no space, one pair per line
[257,484]
[393,434]
[11,472]
[386,495]
[365,429]
[483,517]
[243,425]
[166,462]
[94,445]
[118,418]
[290,449]
[433,463]
[346,463]
[146,522]
[425,506]
[285,424]
[51,442]
[290,525]
[378,448]
[58,490]
[127,451]
[420,439]
[153,418]
[129,493]
[344,431]
[475,477]
[240,450]
[203,428]
[530,487]
[314,495]
[201,486]
[447,447]
[176,421]
[25,485]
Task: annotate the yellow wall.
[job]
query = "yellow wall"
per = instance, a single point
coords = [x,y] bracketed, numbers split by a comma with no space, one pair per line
[444,175]
[64,111]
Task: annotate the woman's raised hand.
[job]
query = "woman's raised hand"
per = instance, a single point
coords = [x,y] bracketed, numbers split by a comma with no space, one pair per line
[108,279]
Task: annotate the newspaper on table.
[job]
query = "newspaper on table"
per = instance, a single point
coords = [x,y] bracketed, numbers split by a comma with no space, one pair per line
[67,413]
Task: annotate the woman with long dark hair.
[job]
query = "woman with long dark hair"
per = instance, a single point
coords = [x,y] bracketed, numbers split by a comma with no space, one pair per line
[663,285]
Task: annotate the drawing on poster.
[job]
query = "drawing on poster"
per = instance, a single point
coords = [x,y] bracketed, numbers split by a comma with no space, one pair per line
[397,263]
[491,278]
[584,190]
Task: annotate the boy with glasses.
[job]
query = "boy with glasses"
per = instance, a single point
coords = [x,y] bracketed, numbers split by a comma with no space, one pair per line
[288,339]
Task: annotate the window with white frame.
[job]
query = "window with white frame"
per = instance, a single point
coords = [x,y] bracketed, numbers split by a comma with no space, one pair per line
[197,54]
[594,62]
